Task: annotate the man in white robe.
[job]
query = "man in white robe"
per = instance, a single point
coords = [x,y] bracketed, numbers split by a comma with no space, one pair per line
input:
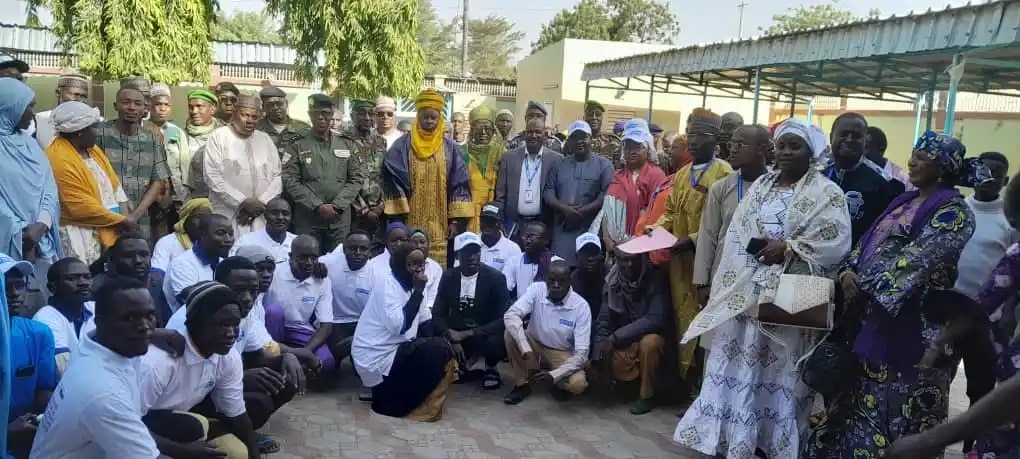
[242,168]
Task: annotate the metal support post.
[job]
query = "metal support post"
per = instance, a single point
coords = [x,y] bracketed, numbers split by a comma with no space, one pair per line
[587,91]
[921,99]
[811,110]
[651,97]
[930,102]
[955,75]
[757,93]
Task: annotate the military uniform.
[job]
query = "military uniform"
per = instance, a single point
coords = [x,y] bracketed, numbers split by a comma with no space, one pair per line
[317,172]
[291,132]
[518,141]
[369,155]
[607,145]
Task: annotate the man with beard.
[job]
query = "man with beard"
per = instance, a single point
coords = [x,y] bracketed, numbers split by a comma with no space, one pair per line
[683,218]
[275,238]
[868,193]
[283,129]
[386,120]
[537,112]
[138,158]
[504,123]
[33,371]
[368,154]
[605,144]
[227,96]
[70,86]
[69,281]
[178,153]
[216,237]
[730,122]
[322,178]
[575,191]
[242,168]
[521,180]
[201,124]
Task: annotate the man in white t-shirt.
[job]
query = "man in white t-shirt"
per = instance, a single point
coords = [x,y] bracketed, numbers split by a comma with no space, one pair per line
[352,278]
[559,333]
[181,394]
[303,304]
[70,282]
[530,266]
[96,410]
[216,237]
[497,249]
[275,236]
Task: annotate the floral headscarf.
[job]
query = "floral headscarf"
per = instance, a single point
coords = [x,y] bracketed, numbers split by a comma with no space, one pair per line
[949,153]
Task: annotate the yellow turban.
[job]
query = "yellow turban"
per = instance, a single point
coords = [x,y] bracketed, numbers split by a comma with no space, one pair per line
[187,209]
[481,112]
[430,98]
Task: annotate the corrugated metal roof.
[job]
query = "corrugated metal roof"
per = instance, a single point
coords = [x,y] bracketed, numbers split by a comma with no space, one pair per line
[992,24]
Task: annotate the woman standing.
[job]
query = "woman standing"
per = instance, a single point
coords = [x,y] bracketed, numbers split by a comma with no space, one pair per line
[90,191]
[484,150]
[410,375]
[910,251]
[752,398]
[630,191]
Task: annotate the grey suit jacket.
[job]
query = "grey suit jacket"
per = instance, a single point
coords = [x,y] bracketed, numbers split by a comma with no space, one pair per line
[508,181]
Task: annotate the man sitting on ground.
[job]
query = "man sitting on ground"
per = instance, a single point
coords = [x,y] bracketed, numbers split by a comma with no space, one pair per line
[352,279]
[559,332]
[469,310]
[216,237]
[631,325]
[130,257]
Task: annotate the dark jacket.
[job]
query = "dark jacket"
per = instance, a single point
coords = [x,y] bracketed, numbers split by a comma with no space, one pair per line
[491,301]
[508,183]
[645,314]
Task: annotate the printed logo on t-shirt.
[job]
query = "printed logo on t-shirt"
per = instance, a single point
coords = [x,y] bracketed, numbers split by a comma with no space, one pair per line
[308,299]
[363,291]
[565,322]
[855,201]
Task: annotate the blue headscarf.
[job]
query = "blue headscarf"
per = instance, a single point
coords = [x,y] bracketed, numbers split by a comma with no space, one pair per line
[949,154]
[28,192]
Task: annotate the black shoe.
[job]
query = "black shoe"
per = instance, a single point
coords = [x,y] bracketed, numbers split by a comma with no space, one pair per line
[560,395]
[491,380]
[518,394]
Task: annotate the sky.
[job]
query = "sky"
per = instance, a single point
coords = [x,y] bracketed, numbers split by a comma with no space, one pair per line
[700,21]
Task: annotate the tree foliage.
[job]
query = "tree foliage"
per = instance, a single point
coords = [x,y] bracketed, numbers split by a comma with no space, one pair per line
[642,21]
[162,40]
[252,27]
[437,40]
[812,17]
[492,45]
[370,47]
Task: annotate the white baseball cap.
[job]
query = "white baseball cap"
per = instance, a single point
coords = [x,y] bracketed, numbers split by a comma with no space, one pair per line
[465,239]
[585,239]
[7,263]
[579,125]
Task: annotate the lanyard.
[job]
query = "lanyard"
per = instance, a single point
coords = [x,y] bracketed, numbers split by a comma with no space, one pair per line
[740,187]
[696,181]
[531,172]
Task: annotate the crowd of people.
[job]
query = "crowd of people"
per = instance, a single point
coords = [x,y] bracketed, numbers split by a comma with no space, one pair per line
[169,288]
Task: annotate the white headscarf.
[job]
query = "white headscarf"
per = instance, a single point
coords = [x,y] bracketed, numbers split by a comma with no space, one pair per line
[812,135]
[73,116]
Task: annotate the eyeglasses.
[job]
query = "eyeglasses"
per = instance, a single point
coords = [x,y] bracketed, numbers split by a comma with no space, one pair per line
[385,114]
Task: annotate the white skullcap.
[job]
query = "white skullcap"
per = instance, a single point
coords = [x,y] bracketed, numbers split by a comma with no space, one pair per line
[159,89]
[385,102]
[505,112]
[73,116]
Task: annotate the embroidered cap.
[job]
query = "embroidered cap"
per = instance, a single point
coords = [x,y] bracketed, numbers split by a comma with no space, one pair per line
[492,210]
[465,239]
[587,239]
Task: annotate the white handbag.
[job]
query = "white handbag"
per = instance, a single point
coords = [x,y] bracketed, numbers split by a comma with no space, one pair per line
[799,293]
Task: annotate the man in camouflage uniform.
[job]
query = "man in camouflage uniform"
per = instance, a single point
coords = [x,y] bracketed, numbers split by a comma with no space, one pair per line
[368,206]
[535,111]
[283,129]
[603,143]
[322,177]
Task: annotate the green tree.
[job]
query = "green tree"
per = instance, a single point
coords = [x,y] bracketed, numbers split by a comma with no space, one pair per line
[369,47]
[642,21]
[251,27]
[812,17]
[162,40]
[492,45]
[436,39]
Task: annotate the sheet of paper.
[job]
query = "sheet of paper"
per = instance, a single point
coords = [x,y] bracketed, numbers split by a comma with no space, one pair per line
[658,239]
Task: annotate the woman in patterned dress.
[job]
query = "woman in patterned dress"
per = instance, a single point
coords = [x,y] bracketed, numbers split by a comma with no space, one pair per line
[752,401]
[911,251]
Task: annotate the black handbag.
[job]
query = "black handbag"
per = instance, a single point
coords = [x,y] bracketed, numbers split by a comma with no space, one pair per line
[831,368]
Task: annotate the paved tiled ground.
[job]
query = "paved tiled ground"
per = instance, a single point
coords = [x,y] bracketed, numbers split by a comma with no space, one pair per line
[477,424]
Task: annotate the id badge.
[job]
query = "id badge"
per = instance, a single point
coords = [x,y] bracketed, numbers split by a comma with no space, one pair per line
[529,196]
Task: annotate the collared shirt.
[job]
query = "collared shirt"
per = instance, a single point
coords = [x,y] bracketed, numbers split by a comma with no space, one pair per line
[379,330]
[283,135]
[252,335]
[166,249]
[518,141]
[529,199]
[306,303]
[138,160]
[500,254]
[66,329]
[350,288]
[565,326]
[238,168]
[317,172]
[280,251]
[178,384]
[186,270]
[519,273]
[96,410]
[32,364]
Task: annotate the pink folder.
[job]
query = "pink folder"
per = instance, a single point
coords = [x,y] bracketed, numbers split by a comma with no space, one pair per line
[659,239]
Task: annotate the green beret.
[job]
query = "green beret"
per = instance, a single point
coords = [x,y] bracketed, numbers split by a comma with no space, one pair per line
[203,94]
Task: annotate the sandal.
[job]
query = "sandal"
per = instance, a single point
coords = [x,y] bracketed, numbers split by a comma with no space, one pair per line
[491,380]
[267,445]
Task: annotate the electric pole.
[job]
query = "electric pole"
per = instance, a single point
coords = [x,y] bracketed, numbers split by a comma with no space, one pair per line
[740,20]
[464,40]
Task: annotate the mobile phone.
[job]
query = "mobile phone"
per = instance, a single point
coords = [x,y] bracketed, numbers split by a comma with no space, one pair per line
[756,244]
